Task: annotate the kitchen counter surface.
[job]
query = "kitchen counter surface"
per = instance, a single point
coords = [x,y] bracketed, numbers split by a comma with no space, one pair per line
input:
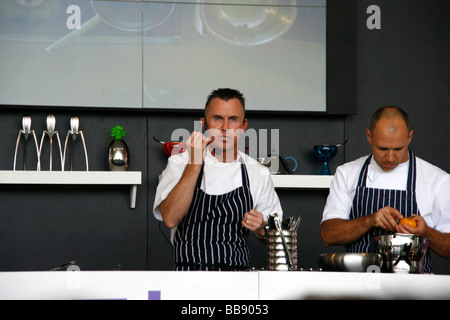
[249,285]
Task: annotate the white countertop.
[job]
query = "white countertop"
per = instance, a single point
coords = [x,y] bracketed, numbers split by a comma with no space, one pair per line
[199,285]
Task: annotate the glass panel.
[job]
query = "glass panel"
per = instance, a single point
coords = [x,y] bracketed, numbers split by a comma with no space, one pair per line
[275,54]
[162,54]
[71,53]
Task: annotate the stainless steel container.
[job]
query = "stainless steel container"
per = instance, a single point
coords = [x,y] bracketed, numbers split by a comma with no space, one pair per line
[118,156]
[402,253]
[351,262]
[282,255]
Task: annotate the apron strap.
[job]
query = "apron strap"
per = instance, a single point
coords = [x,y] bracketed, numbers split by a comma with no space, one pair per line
[363,173]
[200,176]
[411,184]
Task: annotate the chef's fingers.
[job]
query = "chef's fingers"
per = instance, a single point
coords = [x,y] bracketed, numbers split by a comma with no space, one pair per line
[392,215]
[196,146]
[253,220]
[420,229]
[254,215]
[395,213]
[384,218]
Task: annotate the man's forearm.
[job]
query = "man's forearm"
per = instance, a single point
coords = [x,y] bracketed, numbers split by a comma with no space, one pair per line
[177,203]
[342,232]
[439,242]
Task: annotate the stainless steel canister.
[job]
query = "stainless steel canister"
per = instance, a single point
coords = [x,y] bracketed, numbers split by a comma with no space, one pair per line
[282,257]
[282,242]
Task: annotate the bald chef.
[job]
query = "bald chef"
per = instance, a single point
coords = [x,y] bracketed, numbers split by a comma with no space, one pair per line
[369,195]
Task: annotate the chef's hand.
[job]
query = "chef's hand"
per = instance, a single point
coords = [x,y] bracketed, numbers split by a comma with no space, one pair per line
[420,230]
[386,218]
[254,221]
[196,146]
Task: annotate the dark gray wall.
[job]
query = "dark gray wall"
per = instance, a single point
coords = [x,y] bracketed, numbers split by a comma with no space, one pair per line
[405,64]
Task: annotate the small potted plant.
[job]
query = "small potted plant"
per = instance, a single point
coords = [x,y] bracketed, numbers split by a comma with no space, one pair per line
[118,155]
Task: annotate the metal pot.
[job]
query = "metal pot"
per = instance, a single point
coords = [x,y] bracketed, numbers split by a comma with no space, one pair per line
[402,253]
[352,262]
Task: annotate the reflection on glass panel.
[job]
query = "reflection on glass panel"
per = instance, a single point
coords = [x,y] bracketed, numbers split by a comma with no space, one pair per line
[162,54]
[273,51]
[71,53]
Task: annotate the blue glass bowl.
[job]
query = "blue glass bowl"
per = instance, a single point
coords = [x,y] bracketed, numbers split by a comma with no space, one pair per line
[325,153]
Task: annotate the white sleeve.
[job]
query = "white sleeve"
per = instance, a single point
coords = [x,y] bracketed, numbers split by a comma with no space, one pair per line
[265,198]
[267,201]
[441,205]
[340,198]
[167,181]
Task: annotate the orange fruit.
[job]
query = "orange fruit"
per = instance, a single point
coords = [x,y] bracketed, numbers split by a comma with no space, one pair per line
[408,221]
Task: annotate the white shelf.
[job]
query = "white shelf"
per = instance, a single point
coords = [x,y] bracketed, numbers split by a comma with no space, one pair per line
[292,181]
[130,178]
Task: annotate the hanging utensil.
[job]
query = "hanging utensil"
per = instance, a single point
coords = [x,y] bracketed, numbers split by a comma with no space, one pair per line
[157,140]
[341,144]
[171,148]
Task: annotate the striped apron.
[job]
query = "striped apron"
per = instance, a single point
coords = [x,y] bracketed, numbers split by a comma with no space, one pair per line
[370,200]
[211,236]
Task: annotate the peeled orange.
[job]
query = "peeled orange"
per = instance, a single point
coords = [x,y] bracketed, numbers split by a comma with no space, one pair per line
[408,221]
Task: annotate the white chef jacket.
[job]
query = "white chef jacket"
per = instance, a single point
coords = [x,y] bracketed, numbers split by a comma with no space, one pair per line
[432,189]
[220,178]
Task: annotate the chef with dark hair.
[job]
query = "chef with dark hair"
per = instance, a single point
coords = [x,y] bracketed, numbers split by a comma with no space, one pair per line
[213,195]
[369,195]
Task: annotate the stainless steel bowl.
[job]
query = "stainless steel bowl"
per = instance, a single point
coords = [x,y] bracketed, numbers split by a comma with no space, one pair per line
[402,253]
[352,262]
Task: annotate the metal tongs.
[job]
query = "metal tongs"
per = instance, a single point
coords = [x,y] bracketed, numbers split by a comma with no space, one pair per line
[26,132]
[283,239]
[73,132]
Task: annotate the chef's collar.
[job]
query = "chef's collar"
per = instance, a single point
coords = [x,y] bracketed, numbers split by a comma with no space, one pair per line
[211,159]
[377,167]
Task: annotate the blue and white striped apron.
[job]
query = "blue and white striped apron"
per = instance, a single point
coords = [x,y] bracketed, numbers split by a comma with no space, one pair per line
[370,200]
[211,236]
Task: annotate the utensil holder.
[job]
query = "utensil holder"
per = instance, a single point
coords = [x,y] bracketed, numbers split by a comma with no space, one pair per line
[278,253]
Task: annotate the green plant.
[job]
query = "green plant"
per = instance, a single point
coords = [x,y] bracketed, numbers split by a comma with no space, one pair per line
[117,132]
